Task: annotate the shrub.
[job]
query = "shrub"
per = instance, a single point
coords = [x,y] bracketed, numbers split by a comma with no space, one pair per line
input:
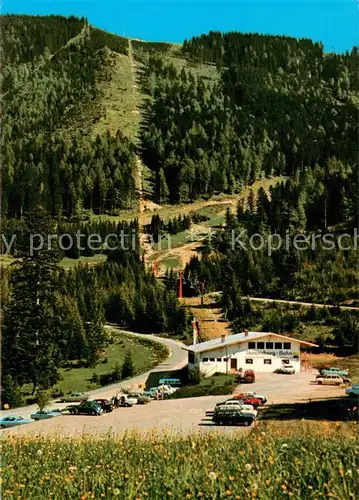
[57,392]
[10,393]
[128,368]
[194,376]
[95,379]
[43,399]
[117,372]
[194,391]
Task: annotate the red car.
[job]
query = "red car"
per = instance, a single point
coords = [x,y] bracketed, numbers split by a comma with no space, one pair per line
[248,399]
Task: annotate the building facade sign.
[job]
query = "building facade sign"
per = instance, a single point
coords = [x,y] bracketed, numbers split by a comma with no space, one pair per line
[264,352]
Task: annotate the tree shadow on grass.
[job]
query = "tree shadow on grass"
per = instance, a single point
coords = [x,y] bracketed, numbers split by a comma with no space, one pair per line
[336,409]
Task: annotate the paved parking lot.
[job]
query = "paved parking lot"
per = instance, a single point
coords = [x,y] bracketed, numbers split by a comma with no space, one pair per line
[282,388]
[182,415]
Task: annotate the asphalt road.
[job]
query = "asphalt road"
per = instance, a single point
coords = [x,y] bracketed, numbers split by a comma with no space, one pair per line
[176,360]
[305,304]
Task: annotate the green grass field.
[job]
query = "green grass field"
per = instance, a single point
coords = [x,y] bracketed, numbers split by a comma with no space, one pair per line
[66,263]
[145,355]
[118,101]
[95,260]
[171,262]
[265,465]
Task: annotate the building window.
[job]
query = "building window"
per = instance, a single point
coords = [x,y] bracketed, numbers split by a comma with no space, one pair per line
[260,345]
[287,345]
[219,359]
[285,361]
[267,361]
[249,361]
[269,345]
[205,359]
[251,345]
[212,359]
[191,358]
[225,360]
[278,345]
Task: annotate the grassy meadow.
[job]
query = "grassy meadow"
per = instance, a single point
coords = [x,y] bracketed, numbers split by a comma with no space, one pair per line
[145,354]
[265,465]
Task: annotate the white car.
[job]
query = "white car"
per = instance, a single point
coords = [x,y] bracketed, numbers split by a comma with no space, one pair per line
[287,369]
[167,389]
[329,380]
[125,400]
[75,397]
[237,404]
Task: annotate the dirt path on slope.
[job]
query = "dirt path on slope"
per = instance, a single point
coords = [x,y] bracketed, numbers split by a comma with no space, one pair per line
[138,174]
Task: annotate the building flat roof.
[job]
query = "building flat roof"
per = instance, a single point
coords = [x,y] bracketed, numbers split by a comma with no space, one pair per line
[238,338]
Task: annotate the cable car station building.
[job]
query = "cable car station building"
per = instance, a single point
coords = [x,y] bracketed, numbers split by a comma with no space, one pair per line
[259,351]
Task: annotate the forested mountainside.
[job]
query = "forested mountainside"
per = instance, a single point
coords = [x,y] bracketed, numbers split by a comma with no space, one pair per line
[264,106]
[50,86]
[85,113]
[280,106]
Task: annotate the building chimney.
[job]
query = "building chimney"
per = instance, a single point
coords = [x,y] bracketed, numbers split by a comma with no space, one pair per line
[246,332]
[223,338]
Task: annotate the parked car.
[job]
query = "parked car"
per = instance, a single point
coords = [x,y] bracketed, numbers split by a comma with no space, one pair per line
[329,380]
[246,377]
[288,369]
[353,390]
[248,399]
[151,392]
[231,416]
[127,401]
[345,379]
[86,408]
[75,397]
[142,399]
[105,404]
[234,402]
[248,409]
[167,389]
[42,415]
[59,411]
[335,371]
[164,390]
[12,421]
[252,394]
